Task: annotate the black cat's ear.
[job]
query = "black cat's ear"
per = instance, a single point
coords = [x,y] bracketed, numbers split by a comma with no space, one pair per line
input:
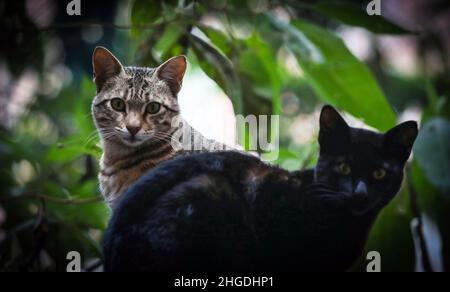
[172,72]
[401,139]
[331,120]
[334,131]
[105,66]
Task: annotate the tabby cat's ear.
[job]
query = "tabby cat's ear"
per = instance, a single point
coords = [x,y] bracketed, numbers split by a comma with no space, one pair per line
[105,66]
[401,139]
[172,72]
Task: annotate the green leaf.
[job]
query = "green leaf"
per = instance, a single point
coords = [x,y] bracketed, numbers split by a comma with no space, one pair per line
[169,39]
[145,11]
[72,148]
[356,15]
[219,39]
[219,68]
[82,114]
[391,237]
[337,76]
[260,54]
[432,152]
[432,202]
[92,215]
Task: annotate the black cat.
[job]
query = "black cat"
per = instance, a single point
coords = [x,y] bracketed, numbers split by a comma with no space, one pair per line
[231,212]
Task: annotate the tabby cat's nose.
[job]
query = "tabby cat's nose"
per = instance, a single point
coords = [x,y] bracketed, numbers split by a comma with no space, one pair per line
[133,130]
[361,190]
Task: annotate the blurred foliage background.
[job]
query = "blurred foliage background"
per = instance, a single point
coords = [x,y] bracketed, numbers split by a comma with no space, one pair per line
[268,57]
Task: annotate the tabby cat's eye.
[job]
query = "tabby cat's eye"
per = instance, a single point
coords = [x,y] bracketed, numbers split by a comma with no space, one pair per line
[379,174]
[153,108]
[118,104]
[344,169]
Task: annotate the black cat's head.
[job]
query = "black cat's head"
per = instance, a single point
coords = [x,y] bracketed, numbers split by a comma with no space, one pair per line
[364,167]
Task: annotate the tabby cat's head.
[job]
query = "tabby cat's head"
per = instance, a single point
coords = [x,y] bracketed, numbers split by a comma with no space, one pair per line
[363,166]
[135,105]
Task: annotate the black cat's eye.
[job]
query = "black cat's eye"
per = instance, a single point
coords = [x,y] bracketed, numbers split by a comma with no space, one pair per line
[379,174]
[344,169]
[118,104]
[153,108]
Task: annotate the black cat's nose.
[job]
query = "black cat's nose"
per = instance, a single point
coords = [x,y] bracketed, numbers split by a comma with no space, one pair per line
[361,190]
[133,130]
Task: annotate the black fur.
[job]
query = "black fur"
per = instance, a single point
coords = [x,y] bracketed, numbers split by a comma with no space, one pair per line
[231,212]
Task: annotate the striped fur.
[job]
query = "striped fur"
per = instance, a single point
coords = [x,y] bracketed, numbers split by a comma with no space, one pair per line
[124,161]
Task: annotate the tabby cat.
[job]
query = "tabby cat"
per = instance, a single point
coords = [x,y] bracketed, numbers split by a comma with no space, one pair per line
[231,212]
[137,115]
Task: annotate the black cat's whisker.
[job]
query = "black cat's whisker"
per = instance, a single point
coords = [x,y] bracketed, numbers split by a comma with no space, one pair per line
[330,196]
[321,193]
[335,196]
[322,189]
[324,192]
[320,184]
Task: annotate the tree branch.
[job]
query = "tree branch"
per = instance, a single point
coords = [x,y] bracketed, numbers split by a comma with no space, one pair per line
[33,196]
[102,24]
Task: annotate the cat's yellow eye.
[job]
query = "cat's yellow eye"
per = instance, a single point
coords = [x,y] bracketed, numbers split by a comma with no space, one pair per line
[344,169]
[153,108]
[379,174]
[118,104]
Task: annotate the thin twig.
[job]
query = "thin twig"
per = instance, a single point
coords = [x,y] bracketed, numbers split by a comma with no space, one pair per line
[55,200]
[87,24]
[102,24]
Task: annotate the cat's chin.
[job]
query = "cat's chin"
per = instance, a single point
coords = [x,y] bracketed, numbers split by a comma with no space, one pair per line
[132,142]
